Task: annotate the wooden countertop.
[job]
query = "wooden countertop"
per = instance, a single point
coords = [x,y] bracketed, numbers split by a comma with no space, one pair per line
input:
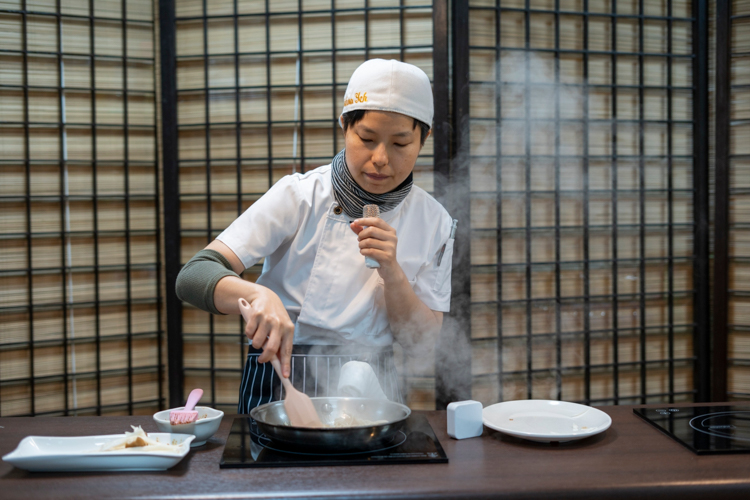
[630,460]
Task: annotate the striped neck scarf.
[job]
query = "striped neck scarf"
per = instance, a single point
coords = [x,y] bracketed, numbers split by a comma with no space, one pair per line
[353,198]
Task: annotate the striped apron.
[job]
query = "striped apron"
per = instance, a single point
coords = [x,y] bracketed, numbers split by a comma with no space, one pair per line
[315,371]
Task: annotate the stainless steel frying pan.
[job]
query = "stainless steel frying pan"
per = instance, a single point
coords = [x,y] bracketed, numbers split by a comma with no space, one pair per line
[273,422]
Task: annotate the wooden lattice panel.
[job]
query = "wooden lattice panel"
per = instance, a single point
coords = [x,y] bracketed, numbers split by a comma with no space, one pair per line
[80,236]
[582,204]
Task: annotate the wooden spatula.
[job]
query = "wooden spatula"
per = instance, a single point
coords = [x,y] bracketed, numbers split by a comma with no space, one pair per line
[298,405]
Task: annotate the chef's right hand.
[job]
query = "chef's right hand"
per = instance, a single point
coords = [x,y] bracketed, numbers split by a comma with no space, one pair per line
[268,326]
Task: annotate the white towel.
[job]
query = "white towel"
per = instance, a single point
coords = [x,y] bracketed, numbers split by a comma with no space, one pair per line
[358,380]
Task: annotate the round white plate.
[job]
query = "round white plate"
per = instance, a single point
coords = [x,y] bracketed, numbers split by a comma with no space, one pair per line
[545,421]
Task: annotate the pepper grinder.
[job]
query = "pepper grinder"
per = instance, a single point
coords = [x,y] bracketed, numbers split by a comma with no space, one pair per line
[371,211]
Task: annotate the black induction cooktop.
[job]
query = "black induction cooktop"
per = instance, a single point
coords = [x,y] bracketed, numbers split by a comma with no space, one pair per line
[703,429]
[415,443]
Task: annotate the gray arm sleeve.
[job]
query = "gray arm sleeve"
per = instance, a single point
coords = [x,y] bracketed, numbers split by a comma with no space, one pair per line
[198,278]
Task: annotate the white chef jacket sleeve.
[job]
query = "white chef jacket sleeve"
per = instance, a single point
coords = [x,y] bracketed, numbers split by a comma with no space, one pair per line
[266,224]
[433,282]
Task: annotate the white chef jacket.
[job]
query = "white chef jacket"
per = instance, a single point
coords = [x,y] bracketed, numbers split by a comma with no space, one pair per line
[312,258]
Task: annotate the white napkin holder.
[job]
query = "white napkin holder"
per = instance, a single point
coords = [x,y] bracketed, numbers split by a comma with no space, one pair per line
[465,419]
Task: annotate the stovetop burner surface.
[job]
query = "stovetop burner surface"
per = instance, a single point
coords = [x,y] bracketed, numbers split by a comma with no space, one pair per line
[703,429]
[247,447]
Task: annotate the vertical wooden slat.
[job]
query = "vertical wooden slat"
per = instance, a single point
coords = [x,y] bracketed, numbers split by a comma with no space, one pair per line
[27,168]
[454,384]
[586,213]
[441,134]
[171,197]
[701,276]
[721,200]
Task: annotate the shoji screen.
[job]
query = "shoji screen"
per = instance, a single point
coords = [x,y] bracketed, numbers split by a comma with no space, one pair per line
[582,200]
[259,89]
[732,263]
[80,290]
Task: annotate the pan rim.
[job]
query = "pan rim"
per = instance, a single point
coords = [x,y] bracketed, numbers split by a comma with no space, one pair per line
[258,409]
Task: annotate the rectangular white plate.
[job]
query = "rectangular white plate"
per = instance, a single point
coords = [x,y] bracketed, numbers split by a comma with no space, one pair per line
[44,453]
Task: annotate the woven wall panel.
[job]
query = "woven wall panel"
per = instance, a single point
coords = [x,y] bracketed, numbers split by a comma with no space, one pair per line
[581,208]
[738,319]
[79,255]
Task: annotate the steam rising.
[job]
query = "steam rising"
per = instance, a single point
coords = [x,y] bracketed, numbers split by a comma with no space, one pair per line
[533,97]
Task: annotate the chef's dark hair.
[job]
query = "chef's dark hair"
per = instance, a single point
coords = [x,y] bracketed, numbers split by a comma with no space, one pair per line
[352,117]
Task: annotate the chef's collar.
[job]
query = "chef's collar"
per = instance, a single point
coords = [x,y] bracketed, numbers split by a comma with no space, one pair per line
[352,198]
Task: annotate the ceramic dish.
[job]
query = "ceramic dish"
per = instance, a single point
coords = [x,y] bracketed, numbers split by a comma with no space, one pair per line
[203,428]
[545,421]
[55,454]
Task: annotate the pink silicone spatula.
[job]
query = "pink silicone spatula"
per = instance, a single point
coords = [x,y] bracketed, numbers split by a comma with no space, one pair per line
[298,405]
[188,414]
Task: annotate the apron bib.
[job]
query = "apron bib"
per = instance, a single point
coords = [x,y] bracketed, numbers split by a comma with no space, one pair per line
[343,295]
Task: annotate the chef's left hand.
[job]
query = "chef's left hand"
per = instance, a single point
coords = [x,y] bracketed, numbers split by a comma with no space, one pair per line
[378,240]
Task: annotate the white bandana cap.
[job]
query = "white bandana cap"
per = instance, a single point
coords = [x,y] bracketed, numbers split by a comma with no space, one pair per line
[396,86]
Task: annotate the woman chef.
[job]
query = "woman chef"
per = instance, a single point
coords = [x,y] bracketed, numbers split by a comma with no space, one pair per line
[316,303]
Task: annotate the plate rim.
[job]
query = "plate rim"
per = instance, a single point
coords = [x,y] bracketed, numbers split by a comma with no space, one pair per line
[543,436]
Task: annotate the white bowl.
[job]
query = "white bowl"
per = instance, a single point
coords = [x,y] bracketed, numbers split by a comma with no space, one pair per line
[203,428]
